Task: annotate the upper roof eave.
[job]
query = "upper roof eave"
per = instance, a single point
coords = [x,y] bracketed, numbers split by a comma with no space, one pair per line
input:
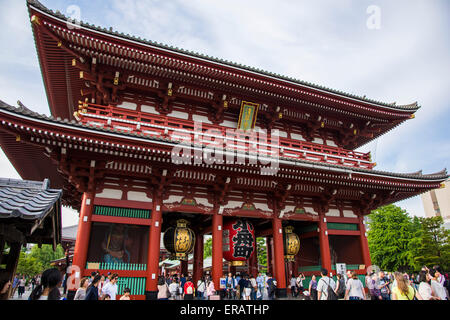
[409,108]
[417,176]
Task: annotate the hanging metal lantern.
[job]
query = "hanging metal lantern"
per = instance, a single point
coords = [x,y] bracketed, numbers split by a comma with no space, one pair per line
[291,243]
[239,243]
[179,241]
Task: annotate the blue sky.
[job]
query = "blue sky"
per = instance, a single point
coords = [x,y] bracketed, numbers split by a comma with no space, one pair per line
[324,42]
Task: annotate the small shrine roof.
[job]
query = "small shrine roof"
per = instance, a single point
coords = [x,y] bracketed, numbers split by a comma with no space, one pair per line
[31,207]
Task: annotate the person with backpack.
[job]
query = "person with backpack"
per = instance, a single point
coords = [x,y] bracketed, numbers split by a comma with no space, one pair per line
[271,287]
[340,286]
[201,288]
[355,288]
[189,289]
[326,287]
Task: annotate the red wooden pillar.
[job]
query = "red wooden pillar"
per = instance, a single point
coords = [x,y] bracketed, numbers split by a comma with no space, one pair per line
[253,264]
[184,267]
[217,250]
[151,286]
[280,267]
[296,265]
[198,258]
[364,243]
[324,243]
[269,248]
[82,242]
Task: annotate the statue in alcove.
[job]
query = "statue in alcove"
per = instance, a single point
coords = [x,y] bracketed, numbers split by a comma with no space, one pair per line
[115,244]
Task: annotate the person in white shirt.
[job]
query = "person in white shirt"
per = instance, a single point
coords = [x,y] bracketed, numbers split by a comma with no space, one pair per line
[174,288]
[322,285]
[436,286]
[425,290]
[111,287]
[355,288]
[201,287]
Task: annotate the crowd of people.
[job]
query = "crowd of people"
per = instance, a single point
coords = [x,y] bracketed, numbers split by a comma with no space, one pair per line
[428,284]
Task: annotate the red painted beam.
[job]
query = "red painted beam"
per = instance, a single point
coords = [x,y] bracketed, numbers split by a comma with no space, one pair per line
[343,232]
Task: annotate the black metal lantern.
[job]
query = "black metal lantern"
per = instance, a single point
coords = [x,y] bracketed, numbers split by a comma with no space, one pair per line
[179,241]
[291,243]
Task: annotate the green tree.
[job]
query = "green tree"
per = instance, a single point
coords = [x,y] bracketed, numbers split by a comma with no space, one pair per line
[262,253]
[207,248]
[391,232]
[433,244]
[38,259]
[28,265]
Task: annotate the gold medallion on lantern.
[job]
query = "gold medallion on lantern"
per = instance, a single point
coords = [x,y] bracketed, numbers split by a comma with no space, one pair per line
[291,244]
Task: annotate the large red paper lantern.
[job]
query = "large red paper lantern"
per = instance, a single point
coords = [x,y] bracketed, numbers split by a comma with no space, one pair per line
[239,243]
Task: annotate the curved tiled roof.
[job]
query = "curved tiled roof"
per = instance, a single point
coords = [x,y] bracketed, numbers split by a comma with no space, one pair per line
[441,175]
[27,200]
[36,4]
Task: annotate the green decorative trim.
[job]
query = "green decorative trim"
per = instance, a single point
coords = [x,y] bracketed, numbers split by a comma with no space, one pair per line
[136,285]
[117,266]
[342,226]
[309,268]
[306,229]
[122,212]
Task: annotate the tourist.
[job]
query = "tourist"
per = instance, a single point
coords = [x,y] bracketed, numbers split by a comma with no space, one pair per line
[260,283]
[370,285]
[21,286]
[81,292]
[15,285]
[247,288]
[111,287]
[189,289]
[230,287]
[436,285]
[163,289]
[182,280]
[425,290]
[105,297]
[93,274]
[101,284]
[174,288]
[403,290]
[355,288]
[271,287]
[210,289]
[299,283]
[5,286]
[323,284]
[293,285]
[48,289]
[384,286]
[340,286]
[33,283]
[376,290]
[313,288]
[441,278]
[126,294]
[201,287]
[254,287]
[92,289]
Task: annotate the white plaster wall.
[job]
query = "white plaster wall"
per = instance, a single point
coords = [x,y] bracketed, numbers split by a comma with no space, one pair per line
[297,136]
[138,196]
[128,105]
[349,214]
[149,109]
[179,115]
[333,213]
[110,194]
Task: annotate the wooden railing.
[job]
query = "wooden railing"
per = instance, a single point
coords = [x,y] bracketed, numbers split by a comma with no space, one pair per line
[179,130]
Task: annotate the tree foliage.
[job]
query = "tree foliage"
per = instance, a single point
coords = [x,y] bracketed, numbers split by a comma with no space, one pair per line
[398,242]
[38,259]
